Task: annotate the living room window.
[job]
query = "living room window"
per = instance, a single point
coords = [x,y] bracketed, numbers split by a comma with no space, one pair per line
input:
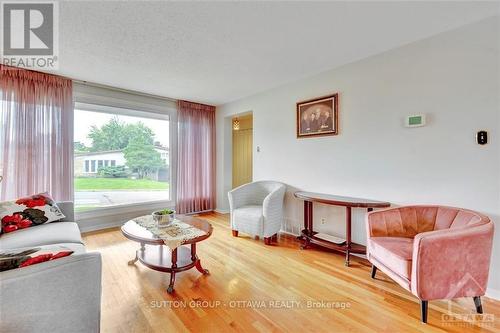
[121,158]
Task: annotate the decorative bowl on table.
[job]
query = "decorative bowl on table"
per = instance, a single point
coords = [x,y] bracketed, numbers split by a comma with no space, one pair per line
[164,218]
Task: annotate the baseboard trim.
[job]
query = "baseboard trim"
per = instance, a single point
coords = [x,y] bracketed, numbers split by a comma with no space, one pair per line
[289,233]
[108,222]
[221,211]
[98,222]
[493,293]
[88,227]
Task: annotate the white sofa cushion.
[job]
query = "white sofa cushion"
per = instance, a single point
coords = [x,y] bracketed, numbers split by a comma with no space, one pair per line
[46,234]
[249,219]
[77,248]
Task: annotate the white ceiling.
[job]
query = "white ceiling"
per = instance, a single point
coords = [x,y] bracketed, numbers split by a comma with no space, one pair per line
[218,52]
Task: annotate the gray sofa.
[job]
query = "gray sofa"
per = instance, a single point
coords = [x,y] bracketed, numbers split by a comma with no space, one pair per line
[63,295]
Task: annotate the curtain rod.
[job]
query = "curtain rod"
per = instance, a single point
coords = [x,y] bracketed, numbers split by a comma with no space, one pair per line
[98,85]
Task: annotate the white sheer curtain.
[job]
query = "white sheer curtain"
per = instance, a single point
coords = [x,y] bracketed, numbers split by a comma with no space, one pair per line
[36,134]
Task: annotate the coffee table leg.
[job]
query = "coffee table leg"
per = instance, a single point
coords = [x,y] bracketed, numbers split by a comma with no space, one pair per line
[170,288]
[133,261]
[198,262]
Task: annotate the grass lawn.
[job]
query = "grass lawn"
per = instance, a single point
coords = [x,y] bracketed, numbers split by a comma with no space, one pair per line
[85,208]
[105,184]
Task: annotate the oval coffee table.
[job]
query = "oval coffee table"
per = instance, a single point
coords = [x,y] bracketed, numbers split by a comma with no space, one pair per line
[155,255]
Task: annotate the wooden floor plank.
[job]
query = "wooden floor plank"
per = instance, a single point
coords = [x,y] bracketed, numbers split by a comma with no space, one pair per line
[247,282]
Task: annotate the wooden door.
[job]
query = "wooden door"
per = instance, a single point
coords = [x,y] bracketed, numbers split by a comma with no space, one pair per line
[242,156]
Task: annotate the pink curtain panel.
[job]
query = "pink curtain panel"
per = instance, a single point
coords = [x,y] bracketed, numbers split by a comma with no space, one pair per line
[196,158]
[36,134]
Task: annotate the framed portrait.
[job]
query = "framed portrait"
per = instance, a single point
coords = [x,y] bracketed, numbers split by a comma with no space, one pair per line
[318,117]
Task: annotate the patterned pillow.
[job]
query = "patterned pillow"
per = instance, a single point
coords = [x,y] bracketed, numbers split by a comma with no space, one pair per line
[15,258]
[27,212]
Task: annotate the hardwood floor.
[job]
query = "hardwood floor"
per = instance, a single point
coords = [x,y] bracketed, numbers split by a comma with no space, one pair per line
[257,288]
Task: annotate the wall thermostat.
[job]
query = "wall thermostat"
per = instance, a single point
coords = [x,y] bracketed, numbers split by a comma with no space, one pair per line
[482,137]
[416,120]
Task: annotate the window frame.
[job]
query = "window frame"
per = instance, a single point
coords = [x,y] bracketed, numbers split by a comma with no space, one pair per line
[122,106]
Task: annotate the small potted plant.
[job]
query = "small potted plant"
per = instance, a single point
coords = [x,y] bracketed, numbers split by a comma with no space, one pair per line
[164,217]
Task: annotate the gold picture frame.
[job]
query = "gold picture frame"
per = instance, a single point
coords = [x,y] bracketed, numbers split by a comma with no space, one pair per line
[318,117]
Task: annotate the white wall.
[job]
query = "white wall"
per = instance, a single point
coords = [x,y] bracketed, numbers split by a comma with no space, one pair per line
[452,77]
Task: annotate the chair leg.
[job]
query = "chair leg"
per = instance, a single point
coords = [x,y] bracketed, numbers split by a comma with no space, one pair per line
[267,240]
[374,271]
[423,311]
[477,303]
[235,233]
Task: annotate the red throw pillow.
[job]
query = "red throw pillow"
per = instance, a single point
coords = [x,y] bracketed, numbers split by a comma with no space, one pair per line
[36,260]
[27,212]
[22,257]
[61,255]
[44,257]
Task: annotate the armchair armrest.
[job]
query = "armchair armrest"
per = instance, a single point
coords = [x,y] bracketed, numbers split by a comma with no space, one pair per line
[67,208]
[63,295]
[452,263]
[273,209]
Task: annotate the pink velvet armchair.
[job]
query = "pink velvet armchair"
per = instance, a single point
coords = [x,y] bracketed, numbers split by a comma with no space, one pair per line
[435,252]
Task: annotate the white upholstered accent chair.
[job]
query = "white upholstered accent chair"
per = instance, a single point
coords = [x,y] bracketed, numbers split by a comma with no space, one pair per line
[257,209]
